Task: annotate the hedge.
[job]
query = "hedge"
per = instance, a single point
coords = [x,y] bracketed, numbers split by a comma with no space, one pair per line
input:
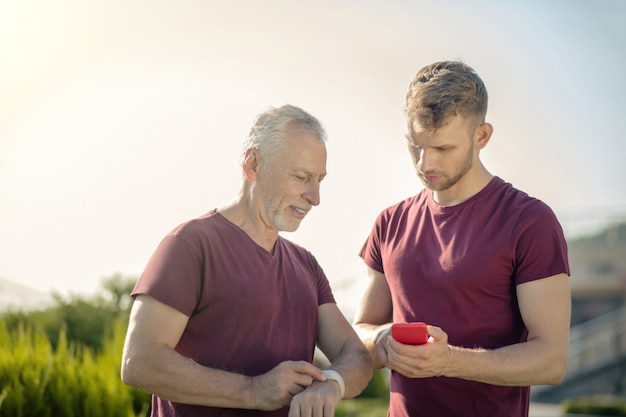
[71,380]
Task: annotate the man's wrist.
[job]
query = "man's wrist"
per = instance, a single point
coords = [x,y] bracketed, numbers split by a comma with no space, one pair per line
[336,376]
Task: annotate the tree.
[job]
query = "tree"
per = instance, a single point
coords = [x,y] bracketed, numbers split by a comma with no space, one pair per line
[119,288]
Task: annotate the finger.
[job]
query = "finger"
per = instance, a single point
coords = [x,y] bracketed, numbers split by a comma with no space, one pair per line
[306,411]
[302,380]
[390,341]
[328,410]
[393,346]
[319,412]
[309,369]
[298,408]
[307,405]
[297,388]
[294,409]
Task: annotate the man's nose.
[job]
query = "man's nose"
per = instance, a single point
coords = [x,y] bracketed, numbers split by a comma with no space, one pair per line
[312,194]
[426,161]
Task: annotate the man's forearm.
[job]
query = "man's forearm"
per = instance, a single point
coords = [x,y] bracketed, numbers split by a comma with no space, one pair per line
[523,364]
[171,376]
[355,366]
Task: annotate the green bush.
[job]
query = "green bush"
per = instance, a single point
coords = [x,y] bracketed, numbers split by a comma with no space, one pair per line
[598,405]
[362,407]
[85,319]
[69,380]
[372,402]
[378,387]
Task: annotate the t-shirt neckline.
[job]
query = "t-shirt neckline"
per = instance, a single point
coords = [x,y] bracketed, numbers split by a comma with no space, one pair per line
[432,204]
[239,230]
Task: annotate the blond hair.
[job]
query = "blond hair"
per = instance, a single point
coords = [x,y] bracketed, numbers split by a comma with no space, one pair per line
[443,90]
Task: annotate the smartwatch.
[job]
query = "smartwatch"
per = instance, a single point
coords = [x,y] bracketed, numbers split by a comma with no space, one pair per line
[335,376]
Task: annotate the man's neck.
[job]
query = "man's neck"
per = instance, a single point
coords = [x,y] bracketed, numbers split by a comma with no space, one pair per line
[466,188]
[242,214]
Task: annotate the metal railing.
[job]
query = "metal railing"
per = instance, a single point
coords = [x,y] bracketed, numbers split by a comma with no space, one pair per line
[597,360]
[597,342]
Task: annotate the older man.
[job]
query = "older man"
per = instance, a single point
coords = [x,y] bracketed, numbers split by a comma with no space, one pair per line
[227,313]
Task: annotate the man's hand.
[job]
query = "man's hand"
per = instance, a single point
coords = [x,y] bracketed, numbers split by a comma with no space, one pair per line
[320,399]
[276,388]
[420,361]
[381,345]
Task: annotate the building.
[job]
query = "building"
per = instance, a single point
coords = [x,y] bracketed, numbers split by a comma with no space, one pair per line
[597,361]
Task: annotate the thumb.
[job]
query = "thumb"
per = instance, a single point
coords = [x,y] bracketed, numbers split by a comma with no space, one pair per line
[438,335]
[310,370]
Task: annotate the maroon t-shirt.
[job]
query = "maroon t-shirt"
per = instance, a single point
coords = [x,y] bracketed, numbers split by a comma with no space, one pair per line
[457,268]
[248,309]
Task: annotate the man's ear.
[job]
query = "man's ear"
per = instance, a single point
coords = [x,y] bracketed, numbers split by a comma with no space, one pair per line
[482,134]
[251,164]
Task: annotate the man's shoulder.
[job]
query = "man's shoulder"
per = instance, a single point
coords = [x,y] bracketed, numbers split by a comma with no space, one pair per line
[518,204]
[509,193]
[412,202]
[197,226]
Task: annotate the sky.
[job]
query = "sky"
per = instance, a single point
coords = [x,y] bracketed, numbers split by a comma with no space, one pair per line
[120,120]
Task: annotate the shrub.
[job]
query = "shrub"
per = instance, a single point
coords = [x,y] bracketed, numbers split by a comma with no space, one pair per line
[69,380]
[378,387]
[362,407]
[85,319]
[598,405]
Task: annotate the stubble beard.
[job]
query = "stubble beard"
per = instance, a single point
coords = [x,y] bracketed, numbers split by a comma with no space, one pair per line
[449,182]
[284,225]
[279,219]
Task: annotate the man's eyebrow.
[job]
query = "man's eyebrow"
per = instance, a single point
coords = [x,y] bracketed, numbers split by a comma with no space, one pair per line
[301,171]
[307,172]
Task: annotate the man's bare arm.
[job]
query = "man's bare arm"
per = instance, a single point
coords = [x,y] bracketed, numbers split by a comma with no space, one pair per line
[342,346]
[150,362]
[545,306]
[374,316]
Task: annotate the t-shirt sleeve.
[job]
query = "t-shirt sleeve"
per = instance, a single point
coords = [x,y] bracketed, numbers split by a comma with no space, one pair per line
[173,275]
[324,291]
[541,249]
[371,251]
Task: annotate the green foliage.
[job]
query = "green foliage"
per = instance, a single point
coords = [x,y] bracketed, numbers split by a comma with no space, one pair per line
[84,319]
[599,405]
[118,288]
[362,407]
[372,402]
[378,387]
[65,360]
[69,381]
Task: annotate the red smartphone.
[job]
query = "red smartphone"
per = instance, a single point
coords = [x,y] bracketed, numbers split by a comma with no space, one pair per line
[414,333]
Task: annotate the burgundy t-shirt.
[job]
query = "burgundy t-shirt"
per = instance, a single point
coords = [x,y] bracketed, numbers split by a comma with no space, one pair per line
[248,309]
[457,268]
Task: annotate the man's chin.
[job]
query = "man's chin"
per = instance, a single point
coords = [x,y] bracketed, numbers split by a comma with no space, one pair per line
[290,228]
[441,185]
